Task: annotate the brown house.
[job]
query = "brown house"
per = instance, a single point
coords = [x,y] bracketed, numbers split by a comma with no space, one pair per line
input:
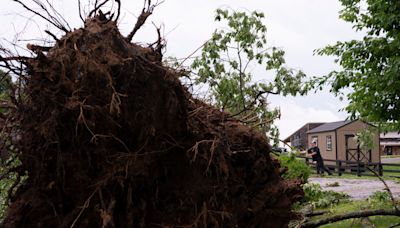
[299,138]
[390,143]
[336,141]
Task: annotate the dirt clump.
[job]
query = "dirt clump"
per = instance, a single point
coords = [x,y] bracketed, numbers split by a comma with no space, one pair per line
[111,138]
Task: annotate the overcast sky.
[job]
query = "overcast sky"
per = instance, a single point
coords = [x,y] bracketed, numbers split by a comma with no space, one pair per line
[297,26]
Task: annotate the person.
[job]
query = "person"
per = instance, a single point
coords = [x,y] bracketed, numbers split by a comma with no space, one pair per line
[316,156]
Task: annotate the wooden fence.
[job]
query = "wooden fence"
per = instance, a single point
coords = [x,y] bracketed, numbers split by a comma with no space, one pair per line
[358,168]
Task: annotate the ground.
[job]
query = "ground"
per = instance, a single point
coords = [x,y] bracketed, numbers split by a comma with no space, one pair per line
[356,188]
[390,160]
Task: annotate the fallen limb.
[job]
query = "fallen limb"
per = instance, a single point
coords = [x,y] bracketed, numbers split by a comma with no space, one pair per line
[357,214]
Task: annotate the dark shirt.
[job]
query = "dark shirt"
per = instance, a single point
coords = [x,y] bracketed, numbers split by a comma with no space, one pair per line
[316,156]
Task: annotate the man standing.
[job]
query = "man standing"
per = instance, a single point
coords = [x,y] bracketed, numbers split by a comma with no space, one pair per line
[316,156]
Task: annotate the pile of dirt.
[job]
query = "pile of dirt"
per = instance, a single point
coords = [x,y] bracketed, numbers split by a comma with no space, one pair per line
[109,137]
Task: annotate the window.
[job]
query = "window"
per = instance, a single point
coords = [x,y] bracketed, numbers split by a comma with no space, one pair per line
[314,139]
[388,150]
[328,142]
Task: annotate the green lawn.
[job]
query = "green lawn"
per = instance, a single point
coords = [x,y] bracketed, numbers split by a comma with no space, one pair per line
[377,221]
[390,156]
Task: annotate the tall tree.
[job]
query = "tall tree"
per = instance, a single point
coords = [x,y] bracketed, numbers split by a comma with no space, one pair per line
[370,67]
[225,66]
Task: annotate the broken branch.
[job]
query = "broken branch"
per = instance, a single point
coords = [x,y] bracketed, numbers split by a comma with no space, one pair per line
[357,214]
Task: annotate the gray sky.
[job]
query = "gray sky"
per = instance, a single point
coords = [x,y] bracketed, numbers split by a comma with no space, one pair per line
[297,26]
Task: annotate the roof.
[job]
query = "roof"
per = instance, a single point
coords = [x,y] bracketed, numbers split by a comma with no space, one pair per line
[330,126]
[389,135]
[288,138]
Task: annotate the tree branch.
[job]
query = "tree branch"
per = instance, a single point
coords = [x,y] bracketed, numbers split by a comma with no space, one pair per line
[191,54]
[357,214]
[240,75]
[260,93]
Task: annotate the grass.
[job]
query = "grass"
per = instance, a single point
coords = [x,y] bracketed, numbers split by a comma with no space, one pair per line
[378,200]
[390,156]
[346,207]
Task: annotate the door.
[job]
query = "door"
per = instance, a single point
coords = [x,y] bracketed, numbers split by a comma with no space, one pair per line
[353,151]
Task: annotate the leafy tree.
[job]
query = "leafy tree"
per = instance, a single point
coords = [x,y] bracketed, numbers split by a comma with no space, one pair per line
[370,67]
[225,66]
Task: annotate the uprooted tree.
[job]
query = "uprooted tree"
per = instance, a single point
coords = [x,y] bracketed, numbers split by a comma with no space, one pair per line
[109,137]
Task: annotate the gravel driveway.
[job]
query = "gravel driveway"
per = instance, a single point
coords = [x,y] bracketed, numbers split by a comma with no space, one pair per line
[390,160]
[357,188]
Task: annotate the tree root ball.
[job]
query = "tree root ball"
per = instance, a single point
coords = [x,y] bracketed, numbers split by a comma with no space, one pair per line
[111,138]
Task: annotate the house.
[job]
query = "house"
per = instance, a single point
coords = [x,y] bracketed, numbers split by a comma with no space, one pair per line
[336,141]
[390,143]
[299,138]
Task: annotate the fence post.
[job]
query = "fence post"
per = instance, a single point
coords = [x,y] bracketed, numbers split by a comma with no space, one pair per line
[380,170]
[339,167]
[358,169]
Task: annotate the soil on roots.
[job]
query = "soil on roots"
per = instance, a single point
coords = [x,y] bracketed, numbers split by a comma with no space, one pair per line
[110,138]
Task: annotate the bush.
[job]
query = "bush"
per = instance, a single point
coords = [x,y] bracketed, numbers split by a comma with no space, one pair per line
[379,198]
[296,168]
[318,198]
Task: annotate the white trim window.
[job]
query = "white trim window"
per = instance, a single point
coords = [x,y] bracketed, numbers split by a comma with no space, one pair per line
[329,142]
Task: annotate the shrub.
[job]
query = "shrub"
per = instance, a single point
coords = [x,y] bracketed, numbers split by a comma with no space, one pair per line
[296,168]
[318,198]
[379,198]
